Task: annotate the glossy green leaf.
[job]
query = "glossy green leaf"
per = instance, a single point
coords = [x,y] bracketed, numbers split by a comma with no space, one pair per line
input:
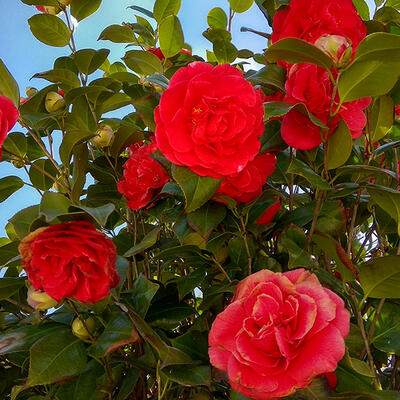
[217,18]
[272,76]
[9,286]
[297,51]
[167,315]
[23,219]
[189,282]
[364,170]
[193,343]
[381,117]
[297,167]
[367,78]
[143,292]
[53,205]
[207,218]
[100,214]
[8,85]
[237,396]
[362,9]
[340,144]
[8,186]
[16,143]
[165,8]
[71,139]
[79,170]
[89,60]
[142,62]
[142,10]
[240,6]
[56,356]
[380,277]
[82,9]
[189,375]
[171,36]
[118,34]
[64,77]
[225,52]
[148,241]
[197,189]
[38,178]
[50,29]
[8,252]
[379,46]
[117,333]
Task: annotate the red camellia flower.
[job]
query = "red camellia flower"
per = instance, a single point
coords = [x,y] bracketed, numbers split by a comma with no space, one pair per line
[247,184]
[278,334]
[41,9]
[143,176]
[8,117]
[269,214]
[311,85]
[210,120]
[309,20]
[157,52]
[71,259]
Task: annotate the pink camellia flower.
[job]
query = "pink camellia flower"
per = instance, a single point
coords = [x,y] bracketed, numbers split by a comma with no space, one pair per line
[281,331]
[143,176]
[8,117]
[210,119]
[247,184]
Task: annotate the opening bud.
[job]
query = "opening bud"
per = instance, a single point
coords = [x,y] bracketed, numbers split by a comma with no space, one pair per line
[54,102]
[337,47]
[83,329]
[104,137]
[30,91]
[39,300]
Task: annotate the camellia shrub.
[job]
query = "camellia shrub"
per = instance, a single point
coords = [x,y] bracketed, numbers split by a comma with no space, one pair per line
[219,228]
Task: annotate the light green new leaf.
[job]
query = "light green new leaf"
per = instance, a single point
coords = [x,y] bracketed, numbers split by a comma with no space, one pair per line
[50,30]
[165,8]
[217,18]
[240,6]
[171,36]
[225,51]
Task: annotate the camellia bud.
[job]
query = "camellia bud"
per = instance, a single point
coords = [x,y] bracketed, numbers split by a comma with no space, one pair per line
[39,300]
[83,329]
[104,137]
[54,102]
[64,2]
[337,47]
[30,91]
[53,10]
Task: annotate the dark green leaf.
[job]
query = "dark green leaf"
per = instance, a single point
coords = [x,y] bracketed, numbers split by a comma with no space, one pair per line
[297,167]
[16,143]
[381,117]
[142,293]
[167,315]
[38,178]
[10,286]
[197,189]
[50,29]
[189,375]
[64,77]
[118,34]
[189,282]
[8,186]
[23,219]
[56,356]
[81,9]
[269,76]
[379,46]
[53,205]
[148,241]
[142,10]
[71,139]
[100,214]
[340,144]
[89,60]
[8,85]
[207,218]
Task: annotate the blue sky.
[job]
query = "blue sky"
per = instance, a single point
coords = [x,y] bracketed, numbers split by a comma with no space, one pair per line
[25,56]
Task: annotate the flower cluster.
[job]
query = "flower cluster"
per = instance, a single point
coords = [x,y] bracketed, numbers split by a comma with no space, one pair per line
[336,23]
[71,259]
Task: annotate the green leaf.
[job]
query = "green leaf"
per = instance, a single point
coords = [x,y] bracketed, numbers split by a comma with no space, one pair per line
[217,18]
[10,286]
[16,143]
[381,117]
[362,9]
[165,8]
[225,51]
[142,62]
[117,34]
[148,241]
[8,252]
[340,144]
[56,356]
[280,108]
[379,46]
[81,9]
[380,277]
[170,35]
[89,60]
[8,186]
[100,214]
[240,6]
[117,333]
[64,77]
[297,167]
[80,157]
[38,178]
[367,78]
[23,219]
[364,170]
[297,51]
[237,396]
[53,205]
[168,316]
[194,344]
[272,76]
[207,218]
[143,292]
[142,10]
[71,139]
[271,140]
[50,30]
[189,282]
[197,190]
[189,375]
[8,85]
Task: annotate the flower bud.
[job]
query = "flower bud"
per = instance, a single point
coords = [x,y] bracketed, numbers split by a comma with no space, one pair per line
[104,137]
[39,300]
[54,102]
[64,2]
[18,163]
[337,47]
[53,10]
[83,329]
[30,91]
